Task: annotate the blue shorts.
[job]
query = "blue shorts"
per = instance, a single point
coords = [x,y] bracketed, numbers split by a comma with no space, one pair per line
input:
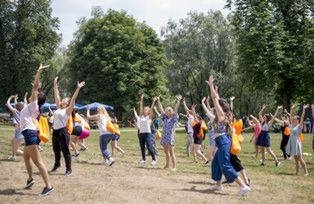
[31,137]
[116,137]
[18,135]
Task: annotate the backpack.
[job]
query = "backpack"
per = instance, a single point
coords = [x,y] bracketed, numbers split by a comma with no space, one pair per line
[43,129]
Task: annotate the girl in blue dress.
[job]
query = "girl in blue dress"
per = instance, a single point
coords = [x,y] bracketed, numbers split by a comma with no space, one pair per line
[169,118]
[294,147]
[263,140]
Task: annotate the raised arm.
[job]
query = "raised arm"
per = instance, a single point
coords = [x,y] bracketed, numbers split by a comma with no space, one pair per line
[302,116]
[194,113]
[292,112]
[56,92]
[51,112]
[274,116]
[205,108]
[231,102]
[176,108]
[15,99]
[220,113]
[25,98]
[160,106]
[12,109]
[73,98]
[255,119]
[187,110]
[207,102]
[91,117]
[141,104]
[152,107]
[260,114]
[37,82]
[156,111]
[135,113]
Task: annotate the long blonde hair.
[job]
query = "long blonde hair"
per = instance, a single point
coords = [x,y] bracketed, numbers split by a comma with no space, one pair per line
[102,111]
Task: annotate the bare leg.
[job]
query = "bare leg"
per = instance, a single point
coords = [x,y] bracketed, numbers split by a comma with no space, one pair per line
[173,158]
[297,165]
[36,157]
[167,157]
[28,163]
[211,152]
[115,143]
[272,153]
[245,178]
[194,152]
[198,151]
[112,147]
[73,144]
[263,154]
[303,164]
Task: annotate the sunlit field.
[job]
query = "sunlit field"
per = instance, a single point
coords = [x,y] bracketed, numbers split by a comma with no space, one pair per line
[127,182]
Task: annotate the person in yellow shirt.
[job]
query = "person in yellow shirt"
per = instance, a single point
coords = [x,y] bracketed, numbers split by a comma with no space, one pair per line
[114,141]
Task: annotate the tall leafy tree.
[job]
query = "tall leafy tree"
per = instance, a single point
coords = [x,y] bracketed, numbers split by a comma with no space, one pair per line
[196,46]
[27,37]
[274,41]
[118,57]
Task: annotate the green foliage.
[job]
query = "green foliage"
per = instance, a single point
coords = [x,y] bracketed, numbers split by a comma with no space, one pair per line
[118,58]
[27,38]
[197,46]
[274,41]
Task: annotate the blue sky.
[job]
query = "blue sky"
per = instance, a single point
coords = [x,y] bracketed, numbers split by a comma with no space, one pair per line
[155,13]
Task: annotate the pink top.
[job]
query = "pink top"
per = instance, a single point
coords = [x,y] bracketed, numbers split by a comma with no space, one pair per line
[257,130]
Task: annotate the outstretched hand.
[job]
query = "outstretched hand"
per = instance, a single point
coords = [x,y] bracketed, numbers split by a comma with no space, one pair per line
[41,67]
[179,97]
[204,99]
[306,106]
[80,84]
[232,98]
[56,80]
[210,80]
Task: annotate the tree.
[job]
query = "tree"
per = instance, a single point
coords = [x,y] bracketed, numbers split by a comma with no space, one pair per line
[118,58]
[198,45]
[27,38]
[274,43]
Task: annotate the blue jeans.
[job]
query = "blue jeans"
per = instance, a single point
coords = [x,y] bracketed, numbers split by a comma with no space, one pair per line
[145,138]
[31,137]
[103,142]
[221,162]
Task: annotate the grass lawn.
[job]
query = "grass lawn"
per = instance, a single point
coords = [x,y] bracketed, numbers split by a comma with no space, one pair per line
[127,182]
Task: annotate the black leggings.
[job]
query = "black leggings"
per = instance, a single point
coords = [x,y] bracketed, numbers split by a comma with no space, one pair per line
[60,142]
[283,146]
[144,138]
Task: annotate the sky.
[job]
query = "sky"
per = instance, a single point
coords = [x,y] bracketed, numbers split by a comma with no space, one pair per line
[156,13]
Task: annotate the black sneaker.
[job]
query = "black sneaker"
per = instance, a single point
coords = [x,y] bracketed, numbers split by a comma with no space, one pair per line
[29,183]
[262,164]
[76,155]
[68,173]
[46,191]
[55,168]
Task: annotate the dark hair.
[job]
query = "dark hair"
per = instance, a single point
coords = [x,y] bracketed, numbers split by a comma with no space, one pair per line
[268,117]
[226,109]
[41,98]
[19,106]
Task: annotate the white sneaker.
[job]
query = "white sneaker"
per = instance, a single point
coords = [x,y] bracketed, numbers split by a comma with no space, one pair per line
[12,158]
[142,162]
[215,188]
[153,163]
[110,161]
[244,190]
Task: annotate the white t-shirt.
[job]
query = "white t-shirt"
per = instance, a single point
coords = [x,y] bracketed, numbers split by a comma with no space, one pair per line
[27,116]
[60,119]
[190,121]
[144,123]
[102,125]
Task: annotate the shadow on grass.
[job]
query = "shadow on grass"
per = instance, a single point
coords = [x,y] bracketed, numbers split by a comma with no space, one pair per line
[11,191]
[89,163]
[8,160]
[199,182]
[286,174]
[205,191]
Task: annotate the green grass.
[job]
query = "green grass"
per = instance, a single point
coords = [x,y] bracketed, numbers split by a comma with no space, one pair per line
[270,184]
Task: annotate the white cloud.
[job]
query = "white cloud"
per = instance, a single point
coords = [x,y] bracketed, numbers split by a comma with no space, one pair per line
[155,13]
